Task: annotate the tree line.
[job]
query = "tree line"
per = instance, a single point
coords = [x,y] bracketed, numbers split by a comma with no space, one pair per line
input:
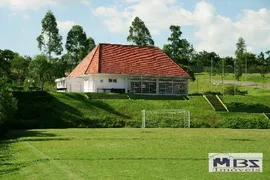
[183,53]
[40,71]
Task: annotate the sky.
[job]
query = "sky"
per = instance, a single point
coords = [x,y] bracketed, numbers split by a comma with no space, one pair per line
[211,25]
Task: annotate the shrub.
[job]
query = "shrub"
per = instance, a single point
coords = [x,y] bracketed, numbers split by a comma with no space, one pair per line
[8,106]
[241,123]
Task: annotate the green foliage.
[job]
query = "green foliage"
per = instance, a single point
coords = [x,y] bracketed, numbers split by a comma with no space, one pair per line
[8,105]
[179,50]
[77,44]
[262,64]
[139,33]
[49,40]
[4,71]
[242,123]
[19,68]
[7,54]
[239,63]
[91,44]
[40,68]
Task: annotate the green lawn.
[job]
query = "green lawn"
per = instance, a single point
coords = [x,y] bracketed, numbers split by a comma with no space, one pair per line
[70,110]
[126,153]
[202,83]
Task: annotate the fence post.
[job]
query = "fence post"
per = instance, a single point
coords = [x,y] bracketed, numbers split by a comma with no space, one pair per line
[143,118]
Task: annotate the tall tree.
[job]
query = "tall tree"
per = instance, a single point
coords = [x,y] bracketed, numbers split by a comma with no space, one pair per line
[262,65]
[41,68]
[90,44]
[77,44]
[268,58]
[4,71]
[179,50]
[50,41]
[19,67]
[240,59]
[139,33]
[7,54]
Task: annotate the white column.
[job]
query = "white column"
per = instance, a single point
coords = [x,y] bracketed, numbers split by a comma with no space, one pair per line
[157,86]
[126,85]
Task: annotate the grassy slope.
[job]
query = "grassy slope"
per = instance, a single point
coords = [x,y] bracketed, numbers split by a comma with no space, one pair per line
[60,110]
[127,153]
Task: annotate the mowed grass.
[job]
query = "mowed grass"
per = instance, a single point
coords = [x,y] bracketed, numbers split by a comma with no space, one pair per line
[126,153]
[202,83]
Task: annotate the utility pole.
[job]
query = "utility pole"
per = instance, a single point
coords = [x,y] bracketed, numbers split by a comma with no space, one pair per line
[234,69]
[223,64]
[246,73]
[197,85]
[211,78]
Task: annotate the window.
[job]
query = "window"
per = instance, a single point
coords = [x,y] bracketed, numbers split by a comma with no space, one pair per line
[101,80]
[165,88]
[113,80]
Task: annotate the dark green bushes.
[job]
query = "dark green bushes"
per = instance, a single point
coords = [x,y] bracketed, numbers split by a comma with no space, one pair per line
[242,123]
[7,109]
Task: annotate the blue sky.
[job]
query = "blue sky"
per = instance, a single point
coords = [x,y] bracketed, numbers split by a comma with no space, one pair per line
[212,25]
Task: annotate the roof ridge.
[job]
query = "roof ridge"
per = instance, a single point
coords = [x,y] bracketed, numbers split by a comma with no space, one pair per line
[132,45]
[97,47]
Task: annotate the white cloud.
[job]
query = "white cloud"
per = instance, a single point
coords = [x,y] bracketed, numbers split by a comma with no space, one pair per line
[36,4]
[214,32]
[65,26]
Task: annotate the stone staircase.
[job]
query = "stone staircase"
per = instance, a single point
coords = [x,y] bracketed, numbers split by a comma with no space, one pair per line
[215,102]
[267,115]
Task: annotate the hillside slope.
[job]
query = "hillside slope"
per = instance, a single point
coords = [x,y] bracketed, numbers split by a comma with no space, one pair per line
[66,110]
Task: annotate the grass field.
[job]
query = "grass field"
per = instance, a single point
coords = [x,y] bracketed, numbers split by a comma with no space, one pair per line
[202,83]
[126,153]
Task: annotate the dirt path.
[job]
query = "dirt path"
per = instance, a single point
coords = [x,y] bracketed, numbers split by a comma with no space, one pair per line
[242,83]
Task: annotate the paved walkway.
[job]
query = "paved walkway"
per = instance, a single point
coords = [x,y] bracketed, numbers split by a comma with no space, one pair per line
[243,83]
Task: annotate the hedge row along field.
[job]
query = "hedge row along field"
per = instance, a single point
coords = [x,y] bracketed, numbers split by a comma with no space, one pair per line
[70,110]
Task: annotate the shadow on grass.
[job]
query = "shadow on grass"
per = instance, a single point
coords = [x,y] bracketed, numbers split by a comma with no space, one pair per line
[98,104]
[9,163]
[241,139]
[14,134]
[43,110]
[250,108]
[134,96]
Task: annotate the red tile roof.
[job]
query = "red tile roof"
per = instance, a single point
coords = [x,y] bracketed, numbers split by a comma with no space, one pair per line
[128,59]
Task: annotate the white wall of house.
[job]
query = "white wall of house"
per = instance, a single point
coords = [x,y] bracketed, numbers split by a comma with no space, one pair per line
[106,82]
[75,84]
[95,83]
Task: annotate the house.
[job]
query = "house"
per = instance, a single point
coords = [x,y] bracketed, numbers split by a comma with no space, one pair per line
[126,69]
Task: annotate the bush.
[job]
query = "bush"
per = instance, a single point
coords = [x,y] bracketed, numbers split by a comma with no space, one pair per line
[8,106]
[241,123]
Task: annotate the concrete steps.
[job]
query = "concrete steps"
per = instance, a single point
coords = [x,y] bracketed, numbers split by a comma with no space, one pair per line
[215,102]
